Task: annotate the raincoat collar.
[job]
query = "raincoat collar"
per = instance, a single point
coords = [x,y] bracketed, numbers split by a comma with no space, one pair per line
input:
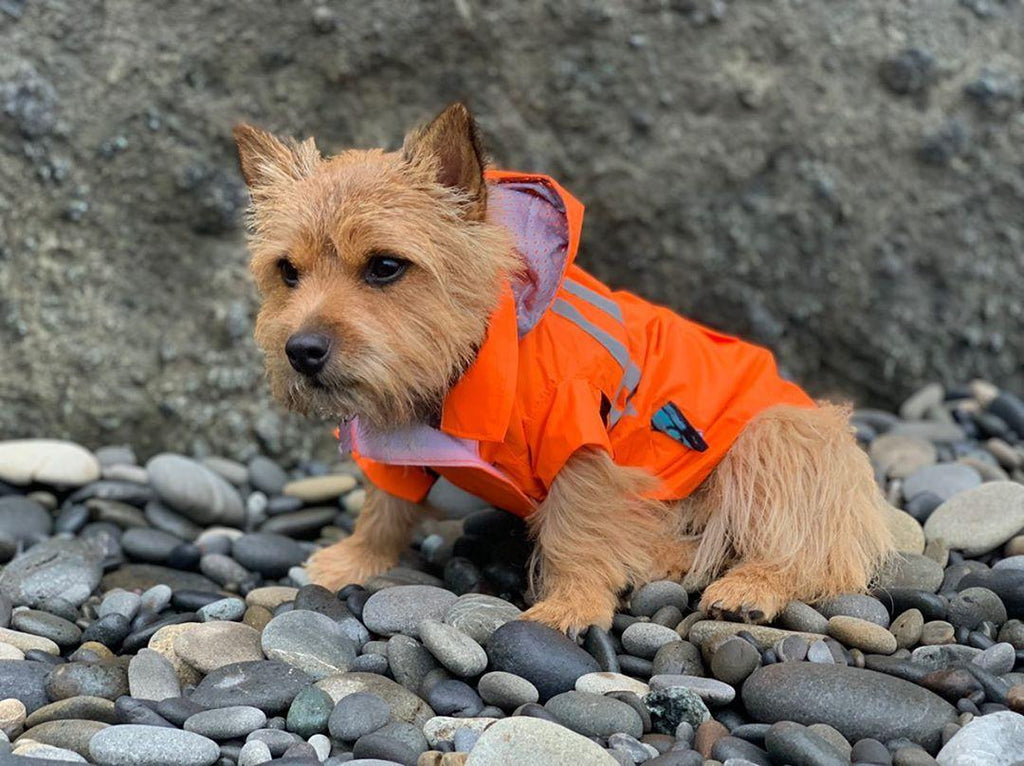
[545,222]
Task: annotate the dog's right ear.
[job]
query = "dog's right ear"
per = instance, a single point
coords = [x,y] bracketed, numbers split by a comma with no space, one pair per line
[266,159]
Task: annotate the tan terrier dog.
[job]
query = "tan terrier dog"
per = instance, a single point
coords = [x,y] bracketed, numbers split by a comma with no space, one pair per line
[432,306]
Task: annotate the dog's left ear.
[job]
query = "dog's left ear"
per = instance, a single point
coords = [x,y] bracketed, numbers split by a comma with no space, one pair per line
[450,145]
[265,159]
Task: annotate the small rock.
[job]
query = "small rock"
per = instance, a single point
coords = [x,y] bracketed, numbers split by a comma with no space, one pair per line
[132,745]
[310,641]
[672,706]
[210,645]
[980,519]
[997,738]
[319,489]
[507,691]
[402,608]
[644,639]
[594,715]
[192,489]
[479,615]
[602,683]
[47,461]
[357,715]
[544,657]
[864,635]
[268,685]
[524,739]
[151,676]
[226,722]
[454,649]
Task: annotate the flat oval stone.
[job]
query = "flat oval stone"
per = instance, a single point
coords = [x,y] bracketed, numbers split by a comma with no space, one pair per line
[211,645]
[134,745]
[444,728]
[856,605]
[195,491]
[943,480]
[56,567]
[401,609]
[320,489]
[505,690]
[602,683]
[656,595]
[266,684]
[310,641]
[84,708]
[644,639]
[357,715]
[67,734]
[309,712]
[226,722]
[62,632]
[525,739]
[151,676]
[864,635]
[94,679]
[980,519]
[898,455]
[269,554]
[708,689]
[47,461]
[267,476]
[911,570]
[405,706]
[859,703]
[151,546]
[594,715]
[454,649]
[541,655]
[479,615]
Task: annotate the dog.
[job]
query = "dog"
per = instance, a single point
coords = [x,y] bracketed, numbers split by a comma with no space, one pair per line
[431,304]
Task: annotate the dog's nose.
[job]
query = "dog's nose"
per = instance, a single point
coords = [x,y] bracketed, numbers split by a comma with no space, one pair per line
[308,352]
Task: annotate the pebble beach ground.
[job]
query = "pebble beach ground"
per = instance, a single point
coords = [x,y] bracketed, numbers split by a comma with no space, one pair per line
[158,614]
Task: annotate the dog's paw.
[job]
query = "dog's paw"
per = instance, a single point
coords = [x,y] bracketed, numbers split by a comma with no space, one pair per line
[569,616]
[737,598]
[345,564]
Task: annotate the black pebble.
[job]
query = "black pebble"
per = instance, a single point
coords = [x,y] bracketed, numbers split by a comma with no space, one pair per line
[356,602]
[110,630]
[601,646]
[193,600]
[184,557]
[535,710]
[454,698]
[131,710]
[177,709]
[461,575]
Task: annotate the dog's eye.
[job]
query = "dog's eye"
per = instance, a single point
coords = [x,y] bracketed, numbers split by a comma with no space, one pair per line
[289,274]
[384,269]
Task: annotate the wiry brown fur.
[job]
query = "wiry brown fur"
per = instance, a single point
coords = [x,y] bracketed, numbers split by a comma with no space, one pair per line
[791,512]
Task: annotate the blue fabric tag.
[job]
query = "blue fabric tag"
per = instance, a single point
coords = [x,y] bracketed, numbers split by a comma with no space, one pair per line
[670,421]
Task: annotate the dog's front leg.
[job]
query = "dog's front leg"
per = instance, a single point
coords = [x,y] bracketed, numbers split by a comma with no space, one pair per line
[382,532]
[594,535]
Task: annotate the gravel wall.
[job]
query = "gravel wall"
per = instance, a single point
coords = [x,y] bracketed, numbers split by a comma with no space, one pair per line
[842,181]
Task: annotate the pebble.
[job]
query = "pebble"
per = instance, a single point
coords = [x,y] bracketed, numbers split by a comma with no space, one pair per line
[644,639]
[62,632]
[656,595]
[997,659]
[226,722]
[270,554]
[266,684]
[405,706]
[120,602]
[395,741]
[997,738]
[132,745]
[319,489]
[898,455]
[211,645]
[309,712]
[479,615]
[229,609]
[253,753]
[856,605]
[152,546]
[602,683]
[266,476]
[907,628]
[309,641]
[859,703]
[358,714]
[94,679]
[980,519]
[454,649]
[789,742]
[47,461]
[594,715]
[447,729]
[800,617]
[24,680]
[507,691]
[401,609]
[24,520]
[57,567]
[524,739]
[85,708]
[911,570]
[195,491]
[151,676]
[677,657]
[673,706]
[452,697]
[864,635]
[12,716]
[544,657]
[734,659]
[943,480]
[973,606]
[707,632]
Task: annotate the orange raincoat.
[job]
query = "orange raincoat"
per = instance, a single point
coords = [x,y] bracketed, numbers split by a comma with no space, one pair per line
[568,363]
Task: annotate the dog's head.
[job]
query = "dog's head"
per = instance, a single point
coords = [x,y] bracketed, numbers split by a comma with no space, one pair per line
[377,270]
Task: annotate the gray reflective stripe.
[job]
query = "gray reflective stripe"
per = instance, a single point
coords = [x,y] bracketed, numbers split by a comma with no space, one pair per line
[614,347]
[594,299]
[630,372]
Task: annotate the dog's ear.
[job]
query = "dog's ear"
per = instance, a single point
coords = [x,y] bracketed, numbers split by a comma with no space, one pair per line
[264,158]
[450,145]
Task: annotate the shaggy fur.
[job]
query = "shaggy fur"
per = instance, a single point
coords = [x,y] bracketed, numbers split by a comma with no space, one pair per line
[791,512]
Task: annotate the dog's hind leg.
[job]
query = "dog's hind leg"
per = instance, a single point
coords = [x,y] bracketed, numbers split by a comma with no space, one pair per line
[382,532]
[792,511]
